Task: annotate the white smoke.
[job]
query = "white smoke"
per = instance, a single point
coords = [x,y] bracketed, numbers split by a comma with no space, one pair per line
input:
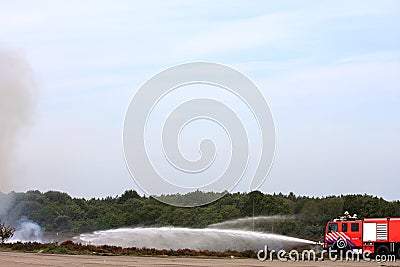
[17,91]
[27,231]
[6,202]
[17,94]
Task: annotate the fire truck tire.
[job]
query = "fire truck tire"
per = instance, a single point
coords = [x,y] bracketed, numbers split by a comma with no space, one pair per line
[346,248]
[382,250]
[398,252]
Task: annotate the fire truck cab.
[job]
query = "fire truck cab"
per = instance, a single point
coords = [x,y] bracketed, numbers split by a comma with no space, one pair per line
[377,235]
[343,234]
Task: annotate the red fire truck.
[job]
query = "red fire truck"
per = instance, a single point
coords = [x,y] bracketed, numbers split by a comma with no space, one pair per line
[380,236]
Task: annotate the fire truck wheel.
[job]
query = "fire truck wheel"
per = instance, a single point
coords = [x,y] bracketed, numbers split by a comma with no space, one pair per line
[346,248]
[398,252]
[382,250]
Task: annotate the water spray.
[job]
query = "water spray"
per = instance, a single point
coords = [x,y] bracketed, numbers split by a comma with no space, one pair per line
[197,239]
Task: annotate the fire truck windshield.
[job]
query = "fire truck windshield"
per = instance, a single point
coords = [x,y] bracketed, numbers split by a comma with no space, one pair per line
[333,227]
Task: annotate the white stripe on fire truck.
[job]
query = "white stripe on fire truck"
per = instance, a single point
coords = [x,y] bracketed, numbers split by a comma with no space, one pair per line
[331,235]
[343,235]
[335,235]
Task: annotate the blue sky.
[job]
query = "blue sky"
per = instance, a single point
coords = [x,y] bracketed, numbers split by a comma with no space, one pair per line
[328,69]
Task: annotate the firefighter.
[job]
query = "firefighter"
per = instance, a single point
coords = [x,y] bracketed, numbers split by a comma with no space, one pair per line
[347,215]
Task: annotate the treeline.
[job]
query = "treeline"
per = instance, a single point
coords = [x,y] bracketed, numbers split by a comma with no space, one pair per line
[306,216]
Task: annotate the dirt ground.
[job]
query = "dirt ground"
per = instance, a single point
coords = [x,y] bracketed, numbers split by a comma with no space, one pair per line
[38,259]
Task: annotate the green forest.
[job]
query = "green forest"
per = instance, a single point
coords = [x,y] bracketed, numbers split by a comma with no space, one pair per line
[302,216]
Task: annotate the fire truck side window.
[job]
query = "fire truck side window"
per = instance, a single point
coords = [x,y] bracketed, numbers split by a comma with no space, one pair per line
[333,227]
[355,227]
[344,227]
